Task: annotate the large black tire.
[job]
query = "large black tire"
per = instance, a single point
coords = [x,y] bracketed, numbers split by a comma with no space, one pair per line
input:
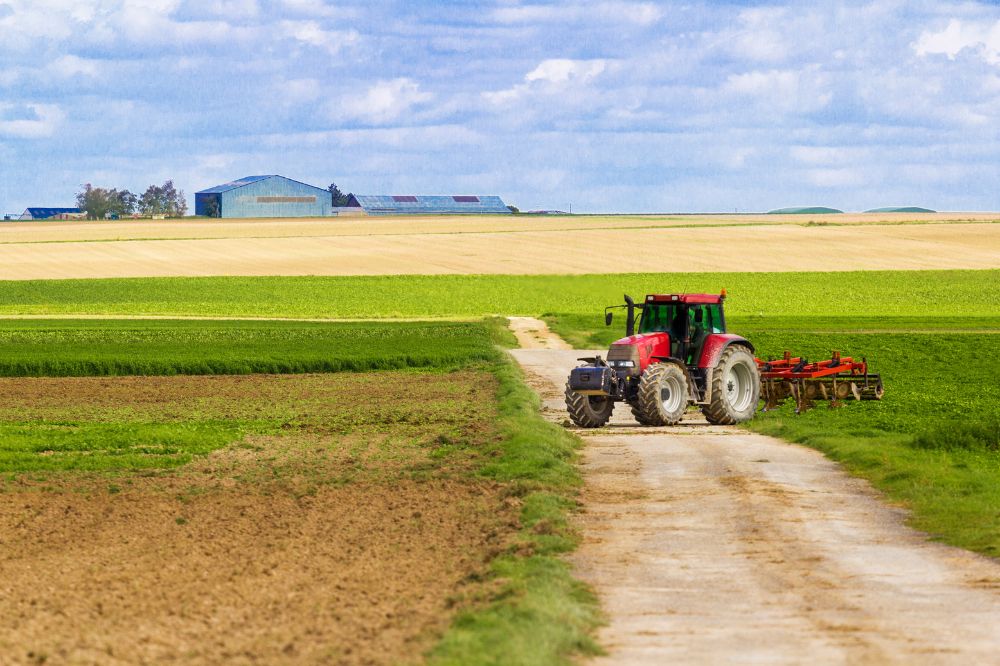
[637,413]
[663,395]
[735,388]
[588,411]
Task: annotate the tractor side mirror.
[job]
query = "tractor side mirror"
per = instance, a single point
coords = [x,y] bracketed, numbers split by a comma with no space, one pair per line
[608,316]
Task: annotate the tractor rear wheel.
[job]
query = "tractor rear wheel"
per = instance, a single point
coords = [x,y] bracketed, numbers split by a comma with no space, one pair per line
[588,411]
[663,395]
[735,388]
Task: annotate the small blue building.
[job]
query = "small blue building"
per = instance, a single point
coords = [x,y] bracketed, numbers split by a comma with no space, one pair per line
[263,196]
[51,213]
[409,204]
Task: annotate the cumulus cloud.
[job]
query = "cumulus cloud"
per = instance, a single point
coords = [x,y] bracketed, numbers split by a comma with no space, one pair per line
[29,121]
[313,34]
[979,36]
[639,13]
[550,76]
[383,102]
[68,66]
[787,90]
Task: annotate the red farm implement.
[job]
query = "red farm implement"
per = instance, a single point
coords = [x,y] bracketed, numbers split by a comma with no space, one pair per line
[836,379]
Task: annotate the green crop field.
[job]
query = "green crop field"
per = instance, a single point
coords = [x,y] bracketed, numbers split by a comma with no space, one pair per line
[198,347]
[875,294]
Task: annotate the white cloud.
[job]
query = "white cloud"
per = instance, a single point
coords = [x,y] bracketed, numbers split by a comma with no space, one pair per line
[638,13]
[300,91]
[313,34]
[383,102]
[562,70]
[244,8]
[551,76]
[800,91]
[318,8]
[959,35]
[69,66]
[42,120]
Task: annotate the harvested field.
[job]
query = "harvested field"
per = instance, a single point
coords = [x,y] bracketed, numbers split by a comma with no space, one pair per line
[775,247]
[336,532]
[61,231]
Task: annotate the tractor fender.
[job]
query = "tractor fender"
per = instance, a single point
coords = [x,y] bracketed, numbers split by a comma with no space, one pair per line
[715,344]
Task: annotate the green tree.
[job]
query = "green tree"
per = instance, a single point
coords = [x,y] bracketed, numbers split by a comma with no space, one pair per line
[163,200]
[338,198]
[124,202]
[96,202]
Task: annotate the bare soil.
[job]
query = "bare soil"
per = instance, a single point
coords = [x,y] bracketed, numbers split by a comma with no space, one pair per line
[464,245]
[708,544]
[334,541]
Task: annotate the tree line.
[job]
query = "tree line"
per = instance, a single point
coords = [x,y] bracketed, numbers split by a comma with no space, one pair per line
[100,203]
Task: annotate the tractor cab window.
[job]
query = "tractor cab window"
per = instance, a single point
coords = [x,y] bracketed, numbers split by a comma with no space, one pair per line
[657,318]
[703,320]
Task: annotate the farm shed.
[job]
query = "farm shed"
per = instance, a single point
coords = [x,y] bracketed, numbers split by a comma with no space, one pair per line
[409,204]
[263,196]
[51,213]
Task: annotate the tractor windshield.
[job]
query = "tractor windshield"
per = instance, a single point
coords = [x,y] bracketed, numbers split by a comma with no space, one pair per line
[663,318]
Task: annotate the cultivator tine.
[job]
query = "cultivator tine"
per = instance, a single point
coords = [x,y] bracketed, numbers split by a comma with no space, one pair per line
[803,401]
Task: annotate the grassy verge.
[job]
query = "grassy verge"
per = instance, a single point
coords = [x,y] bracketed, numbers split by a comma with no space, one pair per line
[539,614]
[929,294]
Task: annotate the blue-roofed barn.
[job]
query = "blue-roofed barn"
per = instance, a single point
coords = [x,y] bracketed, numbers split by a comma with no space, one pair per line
[408,204]
[263,196]
[51,214]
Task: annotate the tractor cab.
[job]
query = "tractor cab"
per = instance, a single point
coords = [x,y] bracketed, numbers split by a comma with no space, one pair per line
[687,318]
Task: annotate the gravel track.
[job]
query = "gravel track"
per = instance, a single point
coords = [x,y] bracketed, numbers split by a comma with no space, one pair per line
[710,544]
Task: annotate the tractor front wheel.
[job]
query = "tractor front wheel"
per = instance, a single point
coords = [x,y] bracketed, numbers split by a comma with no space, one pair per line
[735,388]
[588,411]
[663,395]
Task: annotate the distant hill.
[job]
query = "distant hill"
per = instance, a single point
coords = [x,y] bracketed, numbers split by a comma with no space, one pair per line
[806,210]
[901,209]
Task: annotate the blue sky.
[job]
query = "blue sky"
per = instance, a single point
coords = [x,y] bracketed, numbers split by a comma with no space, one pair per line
[606,106]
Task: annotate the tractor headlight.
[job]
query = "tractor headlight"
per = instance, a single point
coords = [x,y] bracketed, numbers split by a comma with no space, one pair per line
[623,364]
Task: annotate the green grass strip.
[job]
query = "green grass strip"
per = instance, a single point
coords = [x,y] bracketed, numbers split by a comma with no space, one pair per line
[171,347]
[932,294]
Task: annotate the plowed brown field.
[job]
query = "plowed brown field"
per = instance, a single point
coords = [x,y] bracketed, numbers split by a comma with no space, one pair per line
[336,540]
[518,245]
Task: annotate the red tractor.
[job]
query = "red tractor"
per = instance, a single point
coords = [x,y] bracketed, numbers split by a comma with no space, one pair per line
[680,356]
[683,356]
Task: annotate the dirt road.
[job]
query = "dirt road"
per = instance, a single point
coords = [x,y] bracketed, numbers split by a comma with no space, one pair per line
[327,248]
[712,545]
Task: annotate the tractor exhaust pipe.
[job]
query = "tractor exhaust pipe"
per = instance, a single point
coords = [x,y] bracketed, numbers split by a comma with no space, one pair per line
[630,317]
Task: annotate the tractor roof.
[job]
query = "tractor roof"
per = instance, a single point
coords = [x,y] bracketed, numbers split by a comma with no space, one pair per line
[689,299]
